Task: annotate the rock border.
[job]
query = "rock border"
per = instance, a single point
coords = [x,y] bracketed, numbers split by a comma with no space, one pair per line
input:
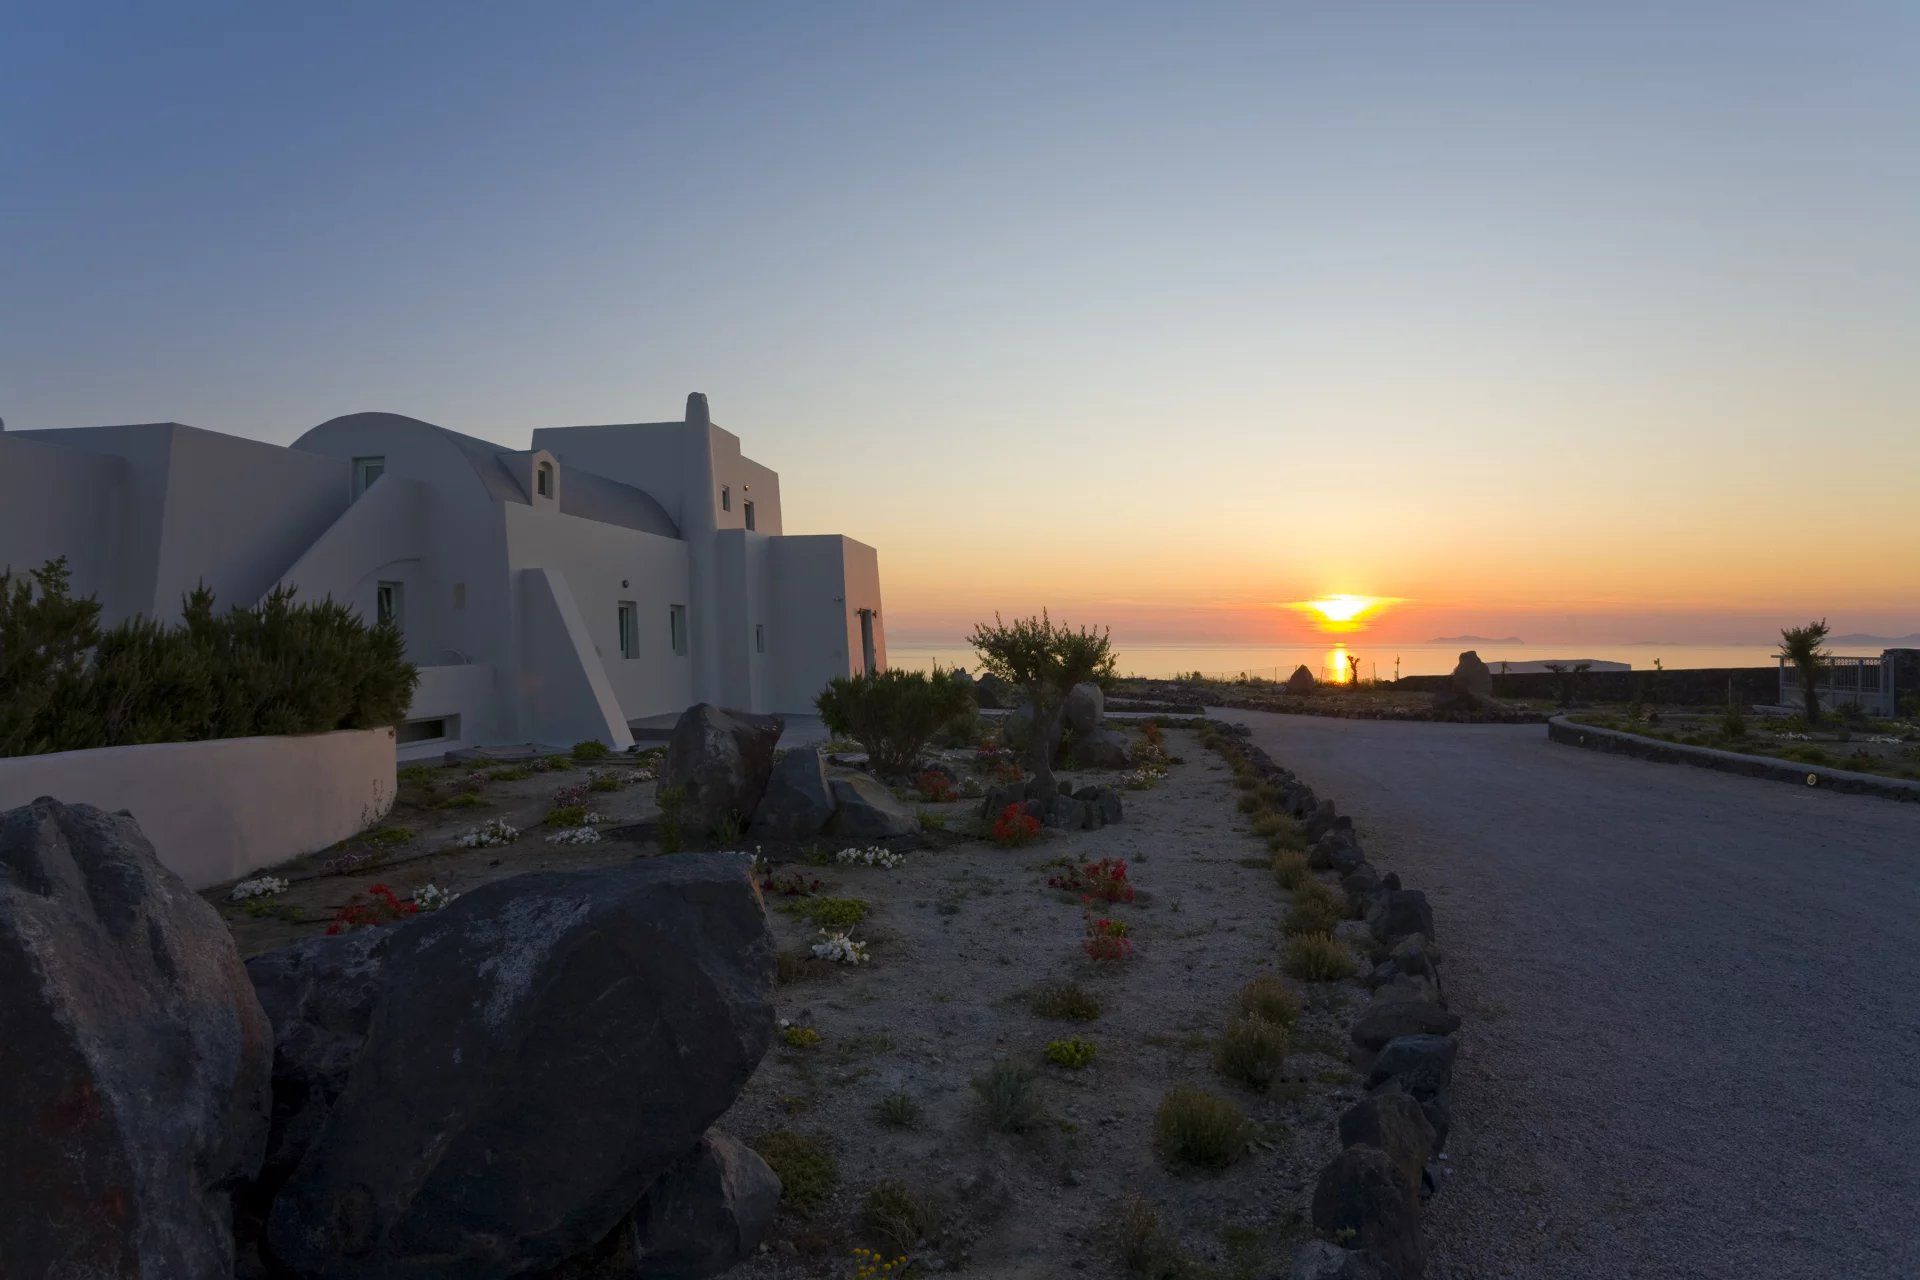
[1570,733]
[1368,1200]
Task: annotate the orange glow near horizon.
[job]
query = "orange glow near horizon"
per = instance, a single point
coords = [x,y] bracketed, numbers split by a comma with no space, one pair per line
[1337,614]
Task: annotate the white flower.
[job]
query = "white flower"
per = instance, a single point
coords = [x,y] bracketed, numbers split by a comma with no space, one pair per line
[258,887]
[496,832]
[840,949]
[575,835]
[874,856]
[431,897]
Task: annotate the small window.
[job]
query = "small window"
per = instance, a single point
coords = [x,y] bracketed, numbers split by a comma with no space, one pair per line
[543,479]
[437,729]
[726,497]
[677,627]
[747,510]
[389,604]
[629,629]
[759,637]
[365,472]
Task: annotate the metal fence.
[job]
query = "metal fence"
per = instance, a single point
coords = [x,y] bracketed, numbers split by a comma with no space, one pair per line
[1866,683]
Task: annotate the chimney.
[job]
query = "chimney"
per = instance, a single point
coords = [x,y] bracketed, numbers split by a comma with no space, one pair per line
[697,410]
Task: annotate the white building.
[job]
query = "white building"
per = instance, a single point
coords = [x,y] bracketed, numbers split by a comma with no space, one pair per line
[606,575]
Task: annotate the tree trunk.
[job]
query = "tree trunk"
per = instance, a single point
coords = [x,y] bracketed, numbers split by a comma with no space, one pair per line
[1808,671]
[1045,741]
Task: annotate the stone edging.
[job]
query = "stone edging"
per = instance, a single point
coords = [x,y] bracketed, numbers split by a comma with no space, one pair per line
[1594,738]
[1434,715]
[1368,1200]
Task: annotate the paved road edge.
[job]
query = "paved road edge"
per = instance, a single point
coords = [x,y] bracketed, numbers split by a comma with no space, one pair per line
[1615,741]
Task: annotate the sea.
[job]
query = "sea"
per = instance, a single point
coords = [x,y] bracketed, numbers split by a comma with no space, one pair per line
[1376,661]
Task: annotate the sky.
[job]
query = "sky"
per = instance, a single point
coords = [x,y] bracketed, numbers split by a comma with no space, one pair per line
[1555,319]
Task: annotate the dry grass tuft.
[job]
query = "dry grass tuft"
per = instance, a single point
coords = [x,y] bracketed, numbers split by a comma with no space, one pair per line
[1318,957]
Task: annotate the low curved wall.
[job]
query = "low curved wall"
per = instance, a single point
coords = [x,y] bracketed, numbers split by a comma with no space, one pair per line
[1562,730]
[218,810]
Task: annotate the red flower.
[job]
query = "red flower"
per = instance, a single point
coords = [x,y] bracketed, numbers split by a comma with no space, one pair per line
[1015,825]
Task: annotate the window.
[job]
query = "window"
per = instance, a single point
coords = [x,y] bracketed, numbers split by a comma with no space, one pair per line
[677,626]
[759,637]
[726,497]
[389,604]
[437,729]
[629,629]
[365,472]
[747,508]
[543,479]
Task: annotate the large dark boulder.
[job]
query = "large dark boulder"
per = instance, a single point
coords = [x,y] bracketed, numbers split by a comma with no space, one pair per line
[798,801]
[1361,1200]
[718,762]
[1392,1121]
[1085,708]
[1398,914]
[1337,851]
[1389,1019]
[133,1056]
[1470,678]
[1422,1064]
[535,1056]
[1100,748]
[1301,681]
[866,810]
[1320,821]
[1104,801]
[706,1214]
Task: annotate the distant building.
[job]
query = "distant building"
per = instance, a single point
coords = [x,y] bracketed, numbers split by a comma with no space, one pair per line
[606,574]
[1875,685]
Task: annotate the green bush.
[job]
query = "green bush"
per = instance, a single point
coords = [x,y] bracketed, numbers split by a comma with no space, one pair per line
[1270,998]
[1253,1051]
[272,668]
[897,1216]
[1318,957]
[1007,1092]
[591,750]
[807,1171]
[834,914]
[893,714]
[1066,1001]
[1195,1127]
[1072,1053]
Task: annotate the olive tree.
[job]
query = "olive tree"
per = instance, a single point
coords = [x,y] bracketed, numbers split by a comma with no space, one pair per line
[1045,660]
[1804,648]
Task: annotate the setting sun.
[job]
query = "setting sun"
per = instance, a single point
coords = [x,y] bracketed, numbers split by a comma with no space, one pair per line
[1341,608]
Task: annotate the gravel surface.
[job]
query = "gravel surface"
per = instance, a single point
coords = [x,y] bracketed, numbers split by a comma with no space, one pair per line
[1692,1045]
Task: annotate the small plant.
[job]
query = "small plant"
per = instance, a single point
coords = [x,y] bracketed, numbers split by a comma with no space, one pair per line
[1143,777]
[1270,998]
[800,1037]
[567,797]
[935,787]
[576,835]
[1072,1053]
[590,750]
[569,815]
[727,828]
[417,775]
[377,906]
[1103,881]
[605,780]
[898,1110]
[495,832]
[790,884]
[894,1214]
[1007,1092]
[431,897]
[930,819]
[1141,1247]
[258,887]
[871,1265]
[1198,1128]
[387,837]
[806,1169]
[1317,957]
[1015,826]
[1291,869]
[512,773]
[462,800]
[554,764]
[837,914]
[1107,940]
[672,802]
[872,856]
[1066,1002]
[838,948]
[1316,909]
[1733,719]
[1253,1051]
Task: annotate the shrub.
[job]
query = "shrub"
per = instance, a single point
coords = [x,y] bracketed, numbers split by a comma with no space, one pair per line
[1316,909]
[1107,940]
[806,1169]
[898,1110]
[417,775]
[590,750]
[1044,662]
[935,786]
[1066,1002]
[893,714]
[1015,826]
[1290,868]
[267,669]
[1104,881]
[1253,1051]
[1270,998]
[386,836]
[800,1037]
[836,914]
[1199,1128]
[567,815]
[603,782]
[1007,1092]
[1140,1247]
[512,773]
[1072,1053]
[672,802]
[1317,957]
[895,1215]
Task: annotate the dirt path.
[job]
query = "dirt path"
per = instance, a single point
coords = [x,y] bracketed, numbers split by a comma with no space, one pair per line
[1692,1003]
[959,940]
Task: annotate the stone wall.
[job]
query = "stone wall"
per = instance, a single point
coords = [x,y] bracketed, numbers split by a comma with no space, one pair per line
[1704,686]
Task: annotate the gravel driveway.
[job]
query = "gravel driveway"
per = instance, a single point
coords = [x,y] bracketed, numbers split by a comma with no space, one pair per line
[1692,1002]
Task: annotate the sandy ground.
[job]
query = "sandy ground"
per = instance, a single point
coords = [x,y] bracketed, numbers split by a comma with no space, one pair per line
[1691,1028]
[959,939]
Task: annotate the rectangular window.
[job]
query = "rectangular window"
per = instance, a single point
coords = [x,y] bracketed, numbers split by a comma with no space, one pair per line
[439,728]
[629,629]
[365,472]
[389,604]
[677,627]
[759,637]
[726,497]
[748,509]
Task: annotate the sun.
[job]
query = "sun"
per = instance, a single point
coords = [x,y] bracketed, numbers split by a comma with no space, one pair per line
[1341,608]
[1337,614]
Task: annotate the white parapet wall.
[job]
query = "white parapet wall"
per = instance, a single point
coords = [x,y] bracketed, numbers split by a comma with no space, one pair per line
[218,810]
